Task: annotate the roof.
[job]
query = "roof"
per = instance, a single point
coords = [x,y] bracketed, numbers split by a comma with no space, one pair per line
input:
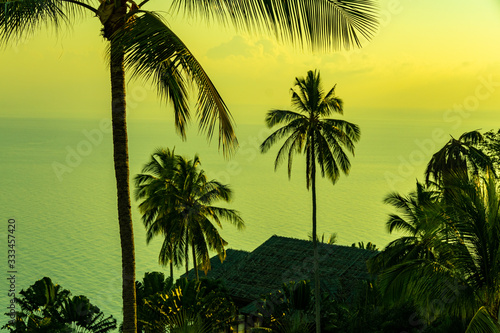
[248,275]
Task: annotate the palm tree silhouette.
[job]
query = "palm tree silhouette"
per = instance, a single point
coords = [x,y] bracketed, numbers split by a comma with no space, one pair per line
[420,214]
[451,253]
[140,41]
[152,285]
[177,203]
[321,139]
[461,157]
[47,307]
[151,186]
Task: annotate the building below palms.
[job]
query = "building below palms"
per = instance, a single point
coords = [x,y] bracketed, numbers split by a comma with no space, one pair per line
[248,276]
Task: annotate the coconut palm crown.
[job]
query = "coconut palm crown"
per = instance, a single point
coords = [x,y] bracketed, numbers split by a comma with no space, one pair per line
[177,203]
[307,131]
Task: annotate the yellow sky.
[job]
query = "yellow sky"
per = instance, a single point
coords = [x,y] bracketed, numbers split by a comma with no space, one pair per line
[428,56]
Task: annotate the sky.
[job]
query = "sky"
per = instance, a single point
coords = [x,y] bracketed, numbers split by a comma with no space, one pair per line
[435,59]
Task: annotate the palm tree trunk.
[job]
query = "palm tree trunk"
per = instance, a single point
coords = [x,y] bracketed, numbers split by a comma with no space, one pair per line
[315,241]
[194,261]
[186,253]
[172,270]
[120,155]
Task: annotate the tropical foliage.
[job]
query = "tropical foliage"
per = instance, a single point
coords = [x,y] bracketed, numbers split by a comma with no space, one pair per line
[186,306]
[332,239]
[47,307]
[323,141]
[152,283]
[290,309]
[177,203]
[461,158]
[448,262]
[368,246]
[491,146]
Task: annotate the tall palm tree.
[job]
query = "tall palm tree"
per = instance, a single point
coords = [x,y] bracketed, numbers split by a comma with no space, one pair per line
[177,203]
[140,41]
[321,139]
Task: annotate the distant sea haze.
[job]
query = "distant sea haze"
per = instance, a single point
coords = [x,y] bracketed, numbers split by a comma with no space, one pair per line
[57,182]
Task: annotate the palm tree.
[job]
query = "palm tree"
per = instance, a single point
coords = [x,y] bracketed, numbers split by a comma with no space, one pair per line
[152,285]
[368,246]
[461,157]
[47,307]
[140,41]
[460,269]
[289,309]
[321,139]
[177,203]
[420,218]
[190,306]
[151,186]
[491,145]
[332,239]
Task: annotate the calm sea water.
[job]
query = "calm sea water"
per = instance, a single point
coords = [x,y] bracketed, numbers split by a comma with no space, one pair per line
[57,182]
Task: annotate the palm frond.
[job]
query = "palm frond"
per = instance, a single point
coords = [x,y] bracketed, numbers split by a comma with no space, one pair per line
[171,86]
[459,157]
[230,215]
[300,100]
[328,161]
[292,127]
[276,117]
[336,141]
[316,24]
[395,222]
[472,137]
[453,240]
[213,191]
[293,144]
[155,53]
[425,282]
[483,322]
[349,133]
[22,18]
[331,103]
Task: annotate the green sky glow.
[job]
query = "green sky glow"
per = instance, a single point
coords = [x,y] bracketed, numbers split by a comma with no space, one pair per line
[428,56]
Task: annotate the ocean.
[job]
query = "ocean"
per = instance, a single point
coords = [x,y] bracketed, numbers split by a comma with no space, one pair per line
[57,184]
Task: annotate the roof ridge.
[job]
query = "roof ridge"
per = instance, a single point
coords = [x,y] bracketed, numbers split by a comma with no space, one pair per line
[306,240]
